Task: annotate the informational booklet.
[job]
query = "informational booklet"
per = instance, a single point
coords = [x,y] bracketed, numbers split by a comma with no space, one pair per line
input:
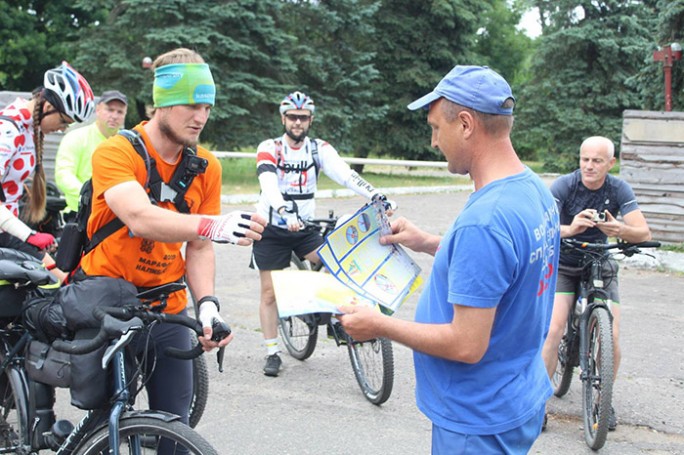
[371,273]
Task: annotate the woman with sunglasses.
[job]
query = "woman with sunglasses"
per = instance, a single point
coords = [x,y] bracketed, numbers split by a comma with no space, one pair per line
[65,98]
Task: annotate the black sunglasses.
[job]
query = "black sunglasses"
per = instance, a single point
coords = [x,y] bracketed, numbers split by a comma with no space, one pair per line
[301,117]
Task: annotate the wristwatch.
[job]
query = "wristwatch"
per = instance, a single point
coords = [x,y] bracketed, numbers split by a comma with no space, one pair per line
[209,298]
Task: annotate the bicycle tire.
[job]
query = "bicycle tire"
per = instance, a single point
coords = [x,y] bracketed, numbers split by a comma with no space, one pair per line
[14,429]
[565,367]
[141,435]
[373,365]
[597,380]
[299,333]
[200,387]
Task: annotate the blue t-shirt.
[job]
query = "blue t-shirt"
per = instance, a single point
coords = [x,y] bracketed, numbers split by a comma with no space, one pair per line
[501,252]
[615,195]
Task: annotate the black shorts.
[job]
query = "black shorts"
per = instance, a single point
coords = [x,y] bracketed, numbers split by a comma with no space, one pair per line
[569,277]
[274,250]
[10,241]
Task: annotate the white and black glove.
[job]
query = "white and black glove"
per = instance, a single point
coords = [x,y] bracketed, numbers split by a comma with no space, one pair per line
[291,218]
[228,228]
[211,320]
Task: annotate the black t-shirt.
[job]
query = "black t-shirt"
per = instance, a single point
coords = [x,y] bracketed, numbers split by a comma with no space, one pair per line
[572,197]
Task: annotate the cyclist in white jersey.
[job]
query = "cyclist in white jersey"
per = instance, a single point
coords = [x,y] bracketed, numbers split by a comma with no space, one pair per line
[287,168]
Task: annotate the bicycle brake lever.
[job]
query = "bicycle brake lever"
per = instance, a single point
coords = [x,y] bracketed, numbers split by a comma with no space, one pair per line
[219,358]
[219,331]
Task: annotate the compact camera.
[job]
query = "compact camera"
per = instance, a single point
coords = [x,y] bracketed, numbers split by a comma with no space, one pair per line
[599,217]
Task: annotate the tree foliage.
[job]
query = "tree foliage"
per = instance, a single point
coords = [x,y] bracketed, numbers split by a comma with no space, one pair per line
[363,61]
[37,35]
[578,88]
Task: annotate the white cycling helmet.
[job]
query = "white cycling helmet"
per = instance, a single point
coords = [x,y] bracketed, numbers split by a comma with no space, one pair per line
[297,100]
[69,92]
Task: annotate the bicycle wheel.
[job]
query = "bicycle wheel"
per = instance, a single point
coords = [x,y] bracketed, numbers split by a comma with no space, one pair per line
[300,335]
[597,380]
[14,432]
[144,435]
[373,365]
[567,360]
[200,387]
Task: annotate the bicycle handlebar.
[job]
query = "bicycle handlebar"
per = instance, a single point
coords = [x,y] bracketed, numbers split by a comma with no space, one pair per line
[628,249]
[118,321]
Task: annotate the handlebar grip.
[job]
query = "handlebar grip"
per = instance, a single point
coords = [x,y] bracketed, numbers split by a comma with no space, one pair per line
[651,244]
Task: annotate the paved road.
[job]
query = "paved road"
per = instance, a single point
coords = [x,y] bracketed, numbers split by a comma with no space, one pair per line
[316,407]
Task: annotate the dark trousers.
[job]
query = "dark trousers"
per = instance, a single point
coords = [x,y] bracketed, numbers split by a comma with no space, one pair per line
[169,386]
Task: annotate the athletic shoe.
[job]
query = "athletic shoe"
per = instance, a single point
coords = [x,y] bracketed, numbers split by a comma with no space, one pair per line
[612,420]
[272,367]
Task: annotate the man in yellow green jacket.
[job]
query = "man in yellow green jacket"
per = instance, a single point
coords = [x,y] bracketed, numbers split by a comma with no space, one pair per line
[72,163]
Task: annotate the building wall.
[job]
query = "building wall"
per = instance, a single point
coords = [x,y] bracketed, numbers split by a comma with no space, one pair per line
[652,161]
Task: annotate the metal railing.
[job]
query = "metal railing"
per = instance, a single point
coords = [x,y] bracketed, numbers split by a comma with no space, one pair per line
[351,160]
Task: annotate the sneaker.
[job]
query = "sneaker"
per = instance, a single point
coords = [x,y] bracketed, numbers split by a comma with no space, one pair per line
[612,420]
[272,367]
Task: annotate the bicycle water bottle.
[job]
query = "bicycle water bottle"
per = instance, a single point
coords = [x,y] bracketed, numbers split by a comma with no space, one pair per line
[579,308]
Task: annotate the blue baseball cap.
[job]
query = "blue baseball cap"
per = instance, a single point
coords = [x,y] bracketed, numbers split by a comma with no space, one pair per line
[475,87]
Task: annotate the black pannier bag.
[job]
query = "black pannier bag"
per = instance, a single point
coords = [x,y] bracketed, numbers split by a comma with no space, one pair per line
[47,365]
[69,315]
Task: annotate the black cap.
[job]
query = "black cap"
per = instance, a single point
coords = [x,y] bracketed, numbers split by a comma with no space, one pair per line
[112,95]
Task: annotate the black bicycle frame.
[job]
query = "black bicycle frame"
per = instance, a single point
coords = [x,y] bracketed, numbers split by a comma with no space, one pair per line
[592,287]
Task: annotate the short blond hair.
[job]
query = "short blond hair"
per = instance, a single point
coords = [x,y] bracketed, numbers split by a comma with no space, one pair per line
[180,55]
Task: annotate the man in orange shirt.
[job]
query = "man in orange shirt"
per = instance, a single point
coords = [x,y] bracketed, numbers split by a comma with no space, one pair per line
[146,250]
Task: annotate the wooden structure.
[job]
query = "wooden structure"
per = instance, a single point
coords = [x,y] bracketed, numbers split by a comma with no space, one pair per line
[652,161]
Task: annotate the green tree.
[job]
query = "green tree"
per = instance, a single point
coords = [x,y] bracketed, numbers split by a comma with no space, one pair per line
[579,72]
[37,35]
[334,57]
[666,23]
[417,43]
[509,51]
[240,39]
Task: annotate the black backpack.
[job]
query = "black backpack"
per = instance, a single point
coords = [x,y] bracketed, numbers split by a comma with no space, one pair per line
[75,243]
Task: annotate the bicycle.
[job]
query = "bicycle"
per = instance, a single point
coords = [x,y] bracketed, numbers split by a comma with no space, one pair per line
[588,338]
[372,361]
[27,420]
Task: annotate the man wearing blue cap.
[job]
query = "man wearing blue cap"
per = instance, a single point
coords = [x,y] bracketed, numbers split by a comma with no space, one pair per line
[482,318]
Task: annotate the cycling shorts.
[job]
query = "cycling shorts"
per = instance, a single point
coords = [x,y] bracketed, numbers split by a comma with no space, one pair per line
[569,278]
[274,250]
